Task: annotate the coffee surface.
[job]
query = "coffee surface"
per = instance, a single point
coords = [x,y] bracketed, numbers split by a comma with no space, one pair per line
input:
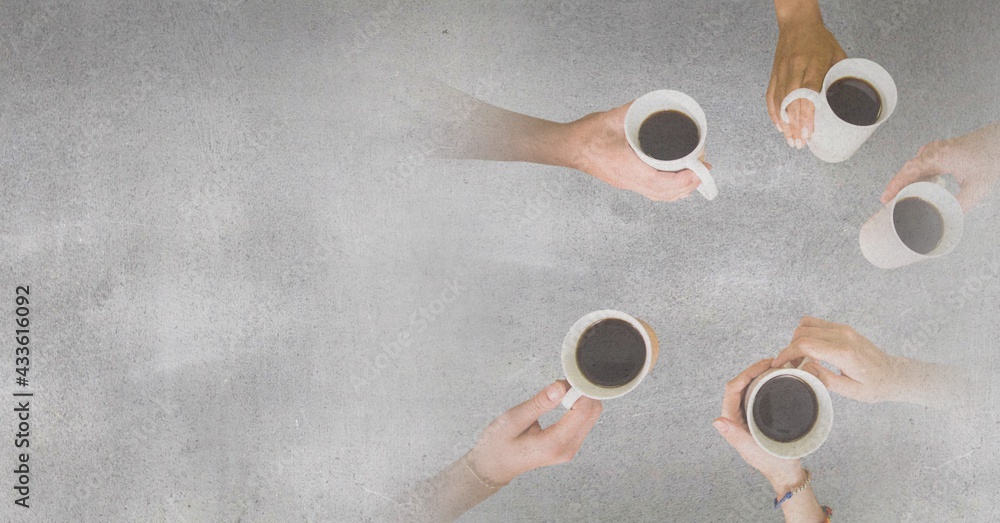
[854,101]
[668,135]
[611,353]
[785,409]
[918,224]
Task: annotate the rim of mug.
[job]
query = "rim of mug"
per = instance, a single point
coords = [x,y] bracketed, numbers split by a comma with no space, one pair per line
[571,342]
[828,80]
[957,225]
[815,438]
[670,96]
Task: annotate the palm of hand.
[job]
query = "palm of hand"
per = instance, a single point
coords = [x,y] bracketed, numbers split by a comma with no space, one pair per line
[606,155]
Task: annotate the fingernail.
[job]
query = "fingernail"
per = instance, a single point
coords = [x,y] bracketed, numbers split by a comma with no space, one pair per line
[778,127]
[790,142]
[798,143]
[720,425]
[805,133]
[553,391]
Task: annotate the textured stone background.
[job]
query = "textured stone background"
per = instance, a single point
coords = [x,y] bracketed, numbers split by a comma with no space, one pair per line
[227,210]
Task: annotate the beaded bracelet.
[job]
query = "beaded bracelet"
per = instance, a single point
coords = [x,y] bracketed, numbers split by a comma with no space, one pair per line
[828,512]
[794,491]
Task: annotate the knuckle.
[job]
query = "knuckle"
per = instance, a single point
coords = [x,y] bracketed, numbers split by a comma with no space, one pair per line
[566,454]
[798,61]
[555,453]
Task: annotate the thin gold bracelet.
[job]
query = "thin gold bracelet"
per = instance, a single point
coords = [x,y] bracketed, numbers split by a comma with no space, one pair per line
[485,483]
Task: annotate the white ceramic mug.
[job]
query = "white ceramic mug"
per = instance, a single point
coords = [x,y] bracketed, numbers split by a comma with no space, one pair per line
[817,434]
[882,246]
[834,140]
[580,385]
[666,100]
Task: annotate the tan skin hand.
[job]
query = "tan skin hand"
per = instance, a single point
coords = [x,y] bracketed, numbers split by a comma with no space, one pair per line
[516,443]
[866,373]
[806,50]
[603,152]
[973,159]
[733,428]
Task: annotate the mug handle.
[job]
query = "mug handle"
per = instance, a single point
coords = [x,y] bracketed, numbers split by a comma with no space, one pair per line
[707,188]
[570,398]
[798,94]
[802,363]
[805,359]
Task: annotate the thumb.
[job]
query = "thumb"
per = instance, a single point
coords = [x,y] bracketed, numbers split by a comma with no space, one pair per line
[918,169]
[969,195]
[519,418]
[735,434]
[837,383]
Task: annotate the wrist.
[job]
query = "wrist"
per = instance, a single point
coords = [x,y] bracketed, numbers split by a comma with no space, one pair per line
[897,380]
[786,480]
[574,145]
[487,475]
[792,14]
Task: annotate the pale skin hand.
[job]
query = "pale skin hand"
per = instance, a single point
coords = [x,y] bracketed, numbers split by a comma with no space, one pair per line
[973,159]
[516,443]
[806,50]
[594,144]
[867,373]
[783,474]
[602,151]
[511,445]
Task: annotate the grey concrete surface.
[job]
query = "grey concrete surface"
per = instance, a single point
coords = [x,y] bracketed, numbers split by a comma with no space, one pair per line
[224,220]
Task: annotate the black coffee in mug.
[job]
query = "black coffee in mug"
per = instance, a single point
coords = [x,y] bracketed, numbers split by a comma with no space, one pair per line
[854,101]
[611,353]
[918,224]
[668,135]
[785,408]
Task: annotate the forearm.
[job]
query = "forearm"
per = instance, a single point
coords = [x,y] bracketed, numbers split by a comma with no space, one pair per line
[797,11]
[447,495]
[492,133]
[933,385]
[801,507]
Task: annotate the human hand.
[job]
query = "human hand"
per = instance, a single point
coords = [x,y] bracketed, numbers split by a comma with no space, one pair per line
[973,159]
[806,50]
[515,442]
[782,473]
[603,152]
[866,373]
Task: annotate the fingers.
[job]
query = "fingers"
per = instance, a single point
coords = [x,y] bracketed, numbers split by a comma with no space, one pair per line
[668,187]
[772,109]
[521,417]
[787,82]
[734,388]
[922,167]
[837,383]
[794,125]
[565,437]
[811,79]
[809,321]
[814,348]
[818,333]
[806,114]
